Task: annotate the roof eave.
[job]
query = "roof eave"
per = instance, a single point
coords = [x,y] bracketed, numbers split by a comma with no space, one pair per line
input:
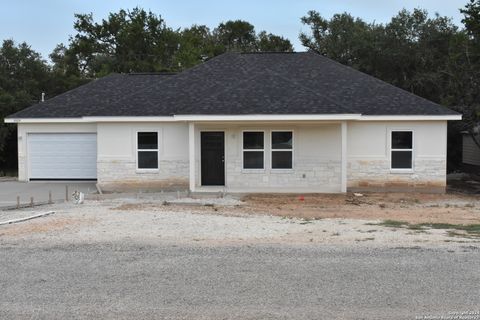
[250,117]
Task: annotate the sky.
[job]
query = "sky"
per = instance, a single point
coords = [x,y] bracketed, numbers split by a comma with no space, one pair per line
[43,24]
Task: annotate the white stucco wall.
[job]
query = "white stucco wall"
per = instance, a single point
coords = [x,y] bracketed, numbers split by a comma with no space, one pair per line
[369,155]
[117,166]
[23,129]
[317,156]
[316,159]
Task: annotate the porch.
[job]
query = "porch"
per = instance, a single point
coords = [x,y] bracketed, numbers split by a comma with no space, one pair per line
[281,157]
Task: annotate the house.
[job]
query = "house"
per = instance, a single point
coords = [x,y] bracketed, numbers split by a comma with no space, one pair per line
[259,122]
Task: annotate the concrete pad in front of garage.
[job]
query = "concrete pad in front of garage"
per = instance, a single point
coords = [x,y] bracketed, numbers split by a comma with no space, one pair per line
[39,190]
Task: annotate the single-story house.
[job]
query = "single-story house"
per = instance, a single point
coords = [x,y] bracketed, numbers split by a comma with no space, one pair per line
[253,122]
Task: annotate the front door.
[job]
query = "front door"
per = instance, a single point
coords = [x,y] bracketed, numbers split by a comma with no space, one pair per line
[213,158]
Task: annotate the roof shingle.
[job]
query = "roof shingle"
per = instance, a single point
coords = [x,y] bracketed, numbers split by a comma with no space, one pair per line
[239,84]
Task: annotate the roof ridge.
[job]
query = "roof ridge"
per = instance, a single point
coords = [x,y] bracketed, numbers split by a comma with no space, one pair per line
[271,52]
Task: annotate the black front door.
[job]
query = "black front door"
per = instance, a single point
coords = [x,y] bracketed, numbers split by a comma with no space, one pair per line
[213,158]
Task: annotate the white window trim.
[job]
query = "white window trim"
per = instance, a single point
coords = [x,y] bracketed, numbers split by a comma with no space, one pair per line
[401,170]
[140,170]
[253,150]
[273,150]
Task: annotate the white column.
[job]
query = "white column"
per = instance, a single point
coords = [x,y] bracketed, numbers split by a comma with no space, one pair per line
[344,156]
[191,154]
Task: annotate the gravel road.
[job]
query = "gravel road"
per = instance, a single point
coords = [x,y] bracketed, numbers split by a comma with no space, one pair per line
[144,281]
[137,259]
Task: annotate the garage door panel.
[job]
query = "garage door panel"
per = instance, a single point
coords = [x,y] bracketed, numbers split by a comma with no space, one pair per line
[62,155]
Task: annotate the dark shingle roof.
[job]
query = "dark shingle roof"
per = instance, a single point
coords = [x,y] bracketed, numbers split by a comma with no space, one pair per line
[237,84]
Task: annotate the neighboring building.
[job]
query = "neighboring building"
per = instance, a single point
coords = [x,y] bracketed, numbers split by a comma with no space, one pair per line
[271,122]
[470,150]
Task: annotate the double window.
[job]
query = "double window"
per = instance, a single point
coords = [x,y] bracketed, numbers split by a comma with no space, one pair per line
[147,150]
[402,150]
[254,150]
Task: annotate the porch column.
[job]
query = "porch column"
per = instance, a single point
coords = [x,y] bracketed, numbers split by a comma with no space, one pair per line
[344,156]
[191,155]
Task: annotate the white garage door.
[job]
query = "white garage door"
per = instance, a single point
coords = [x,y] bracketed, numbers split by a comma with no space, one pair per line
[62,155]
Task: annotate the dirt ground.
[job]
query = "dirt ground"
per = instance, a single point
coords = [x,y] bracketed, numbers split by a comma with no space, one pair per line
[315,219]
[408,207]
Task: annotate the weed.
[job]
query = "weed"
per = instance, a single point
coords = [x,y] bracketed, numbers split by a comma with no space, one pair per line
[392,224]
[469,230]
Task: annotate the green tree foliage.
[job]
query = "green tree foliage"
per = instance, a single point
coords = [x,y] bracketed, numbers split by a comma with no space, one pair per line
[196,44]
[127,41]
[236,35]
[428,56]
[267,42]
[140,41]
[470,69]
[23,77]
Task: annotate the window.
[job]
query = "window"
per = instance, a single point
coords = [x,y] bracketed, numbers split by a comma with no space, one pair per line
[402,150]
[147,150]
[253,150]
[282,149]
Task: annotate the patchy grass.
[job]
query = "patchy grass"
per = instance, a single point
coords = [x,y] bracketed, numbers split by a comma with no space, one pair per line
[468,230]
[392,224]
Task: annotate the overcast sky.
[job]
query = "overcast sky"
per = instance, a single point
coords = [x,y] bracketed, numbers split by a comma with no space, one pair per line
[45,23]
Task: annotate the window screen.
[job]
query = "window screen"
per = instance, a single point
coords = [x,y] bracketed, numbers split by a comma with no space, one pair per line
[402,150]
[282,150]
[253,150]
[147,150]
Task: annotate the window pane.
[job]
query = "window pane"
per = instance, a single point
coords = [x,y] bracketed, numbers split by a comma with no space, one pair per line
[147,159]
[401,159]
[253,160]
[147,140]
[282,159]
[401,140]
[282,140]
[253,140]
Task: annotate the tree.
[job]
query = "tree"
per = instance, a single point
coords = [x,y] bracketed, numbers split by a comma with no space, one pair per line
[140,41]
[23,77]
[342,38]
[196,44]
[236,35]
[128,41]
[267,42]
[471,19]
[471,70]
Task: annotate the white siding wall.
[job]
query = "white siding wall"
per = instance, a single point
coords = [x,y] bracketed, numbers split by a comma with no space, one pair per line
[369,155]
[471,152]
[25,129]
